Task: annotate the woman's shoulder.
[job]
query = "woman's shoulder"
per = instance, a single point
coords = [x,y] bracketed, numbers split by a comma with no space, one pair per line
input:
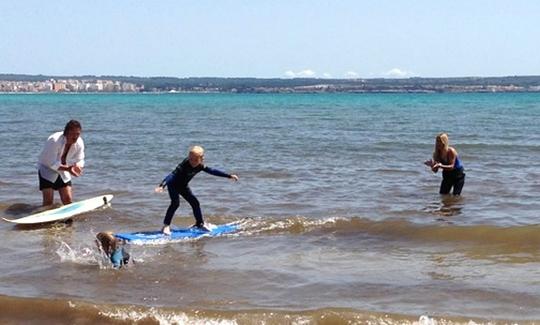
[452,151]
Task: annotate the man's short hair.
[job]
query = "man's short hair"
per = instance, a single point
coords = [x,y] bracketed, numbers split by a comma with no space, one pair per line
[71,125]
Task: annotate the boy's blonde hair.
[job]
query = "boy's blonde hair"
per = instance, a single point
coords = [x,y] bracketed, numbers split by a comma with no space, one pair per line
[198,150]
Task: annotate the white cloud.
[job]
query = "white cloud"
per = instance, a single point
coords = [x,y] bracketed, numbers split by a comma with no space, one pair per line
[327,75]
[289,74]
[308,73]
[351,74]
[398,73]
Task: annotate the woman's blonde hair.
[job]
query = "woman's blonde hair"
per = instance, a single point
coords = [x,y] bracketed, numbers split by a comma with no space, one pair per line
[442,138]
[107,241]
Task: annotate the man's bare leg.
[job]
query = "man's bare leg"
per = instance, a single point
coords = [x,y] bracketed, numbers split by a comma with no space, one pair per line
[66,195]
[48,196]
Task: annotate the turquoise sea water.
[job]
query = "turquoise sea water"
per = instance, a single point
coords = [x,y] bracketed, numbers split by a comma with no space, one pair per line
[339,214]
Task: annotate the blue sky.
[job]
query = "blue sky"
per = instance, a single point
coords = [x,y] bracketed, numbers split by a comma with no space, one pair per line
[267,39]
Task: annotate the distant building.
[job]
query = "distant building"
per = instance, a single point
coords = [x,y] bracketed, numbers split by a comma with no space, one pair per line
[59,86]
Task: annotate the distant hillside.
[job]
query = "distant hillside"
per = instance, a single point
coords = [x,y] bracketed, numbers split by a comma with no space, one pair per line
[461,84]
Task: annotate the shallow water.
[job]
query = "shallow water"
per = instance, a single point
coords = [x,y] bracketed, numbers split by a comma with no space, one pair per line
[341,222]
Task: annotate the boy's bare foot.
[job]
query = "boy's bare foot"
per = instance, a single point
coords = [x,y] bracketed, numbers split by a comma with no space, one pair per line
[166,230]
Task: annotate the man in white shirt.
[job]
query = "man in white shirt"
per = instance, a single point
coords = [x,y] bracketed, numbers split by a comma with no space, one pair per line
[61,158]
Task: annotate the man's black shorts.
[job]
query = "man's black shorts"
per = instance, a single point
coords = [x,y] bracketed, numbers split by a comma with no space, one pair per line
[58,184]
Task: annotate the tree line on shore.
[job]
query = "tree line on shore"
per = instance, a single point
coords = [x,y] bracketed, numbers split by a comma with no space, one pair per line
[243,85]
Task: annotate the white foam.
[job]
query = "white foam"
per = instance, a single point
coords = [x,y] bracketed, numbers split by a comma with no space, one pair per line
[163,317]
[426,320]
[265,225]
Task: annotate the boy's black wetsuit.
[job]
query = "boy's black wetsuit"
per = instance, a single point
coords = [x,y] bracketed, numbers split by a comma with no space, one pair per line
[177,184]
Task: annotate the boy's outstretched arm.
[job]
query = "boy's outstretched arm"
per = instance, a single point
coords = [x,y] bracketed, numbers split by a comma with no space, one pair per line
[216,172]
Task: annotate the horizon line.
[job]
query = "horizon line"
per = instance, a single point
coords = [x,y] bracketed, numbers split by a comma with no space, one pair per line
[260,78]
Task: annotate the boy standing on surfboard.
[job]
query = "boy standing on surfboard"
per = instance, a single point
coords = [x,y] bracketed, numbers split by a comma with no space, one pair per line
[177,184]
[61,158]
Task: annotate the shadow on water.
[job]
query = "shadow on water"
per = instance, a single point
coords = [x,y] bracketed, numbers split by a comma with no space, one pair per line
[20,209]
[448,206]
[24,209]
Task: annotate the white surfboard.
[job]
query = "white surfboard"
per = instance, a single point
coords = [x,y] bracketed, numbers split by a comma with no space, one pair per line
[64,212]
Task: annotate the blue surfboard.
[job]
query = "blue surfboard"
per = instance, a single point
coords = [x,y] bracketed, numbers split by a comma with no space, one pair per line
[178,234]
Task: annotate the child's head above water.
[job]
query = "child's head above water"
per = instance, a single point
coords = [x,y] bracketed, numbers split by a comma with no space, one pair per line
[107,241]
[112,247]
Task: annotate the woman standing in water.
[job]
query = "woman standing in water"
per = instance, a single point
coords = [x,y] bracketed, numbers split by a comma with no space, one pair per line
[446,158]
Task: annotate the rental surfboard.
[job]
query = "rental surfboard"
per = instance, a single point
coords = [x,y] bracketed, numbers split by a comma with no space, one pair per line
[178,233]
[64,212]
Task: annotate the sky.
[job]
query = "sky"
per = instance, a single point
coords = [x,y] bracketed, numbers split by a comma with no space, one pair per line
[272,38]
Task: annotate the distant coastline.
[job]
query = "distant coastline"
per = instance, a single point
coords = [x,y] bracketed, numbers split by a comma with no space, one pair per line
[17,83]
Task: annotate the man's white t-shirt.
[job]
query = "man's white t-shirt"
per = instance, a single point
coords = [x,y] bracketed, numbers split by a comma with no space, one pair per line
[50,158]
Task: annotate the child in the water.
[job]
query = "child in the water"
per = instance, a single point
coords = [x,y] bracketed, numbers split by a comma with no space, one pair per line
[113,247]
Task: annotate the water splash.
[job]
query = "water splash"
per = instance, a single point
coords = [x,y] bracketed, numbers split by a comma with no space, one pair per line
[82,255]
